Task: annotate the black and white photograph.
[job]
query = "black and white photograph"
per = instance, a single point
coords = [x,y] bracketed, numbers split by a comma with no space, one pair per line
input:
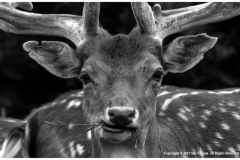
[119,79]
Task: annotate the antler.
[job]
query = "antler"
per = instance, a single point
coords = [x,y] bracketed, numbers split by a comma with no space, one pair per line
[172,21]
[75,28]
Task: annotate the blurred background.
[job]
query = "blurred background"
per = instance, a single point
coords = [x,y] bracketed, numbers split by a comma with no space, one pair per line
[25,85]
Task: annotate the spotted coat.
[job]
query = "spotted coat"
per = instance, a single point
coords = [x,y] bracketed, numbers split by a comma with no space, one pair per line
[209,119]
[195,116]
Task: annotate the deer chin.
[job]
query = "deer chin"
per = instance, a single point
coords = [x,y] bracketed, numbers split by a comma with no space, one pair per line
[114,134]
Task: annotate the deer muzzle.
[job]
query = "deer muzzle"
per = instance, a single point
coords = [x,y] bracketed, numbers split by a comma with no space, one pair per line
[120,121]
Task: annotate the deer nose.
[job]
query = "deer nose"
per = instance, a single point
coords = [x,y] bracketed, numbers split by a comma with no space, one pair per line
[120,114]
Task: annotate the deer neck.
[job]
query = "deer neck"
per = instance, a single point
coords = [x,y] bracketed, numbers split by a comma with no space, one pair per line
[164,137]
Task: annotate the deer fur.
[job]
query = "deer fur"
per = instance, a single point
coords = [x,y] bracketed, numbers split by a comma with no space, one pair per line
[120,65]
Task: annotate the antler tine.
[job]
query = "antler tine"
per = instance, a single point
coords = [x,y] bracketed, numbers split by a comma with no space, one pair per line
[62,25]
[144,17]
[91,18]
[177,20]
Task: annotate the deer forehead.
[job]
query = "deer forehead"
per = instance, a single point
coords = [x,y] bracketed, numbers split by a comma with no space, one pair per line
[124,55]
[135,74]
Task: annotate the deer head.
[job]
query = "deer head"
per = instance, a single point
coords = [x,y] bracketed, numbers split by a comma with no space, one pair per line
[121,74]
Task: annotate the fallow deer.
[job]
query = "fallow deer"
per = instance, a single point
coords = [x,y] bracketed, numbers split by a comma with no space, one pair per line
[121,111]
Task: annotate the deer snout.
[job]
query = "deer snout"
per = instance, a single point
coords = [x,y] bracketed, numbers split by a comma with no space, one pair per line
[120,114]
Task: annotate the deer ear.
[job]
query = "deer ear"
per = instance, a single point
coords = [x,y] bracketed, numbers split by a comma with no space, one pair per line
[185,52]
[57,57]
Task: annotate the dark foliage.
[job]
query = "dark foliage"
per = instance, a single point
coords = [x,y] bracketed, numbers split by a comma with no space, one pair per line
[25,85]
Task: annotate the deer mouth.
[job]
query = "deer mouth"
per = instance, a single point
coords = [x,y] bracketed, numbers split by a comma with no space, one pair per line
[116,129]
[116,134]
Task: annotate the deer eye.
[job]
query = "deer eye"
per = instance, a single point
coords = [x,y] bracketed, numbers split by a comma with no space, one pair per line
[85,78]
[157,76]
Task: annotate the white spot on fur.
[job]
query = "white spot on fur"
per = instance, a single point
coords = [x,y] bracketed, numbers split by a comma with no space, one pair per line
[217,143]
[62,151]
[195,93]
[63,101]
[225,126]
[200,151]
[163,93]
[44,107]
[168,101]
[74,103]
[72,150]
[238,147]
[224,92]
[207,112]
[202,125]
[80,94]
[209,148]
[187,109]
[233,151]
[218,135]
[220,104]
[89,135]
[182,110]
[53,104]
[164,87]
[80,149]
[202,105]
[231,104]
[228,92]
[70,126]
[181,115]
[161,114]
[236,115]
[204,117]
[170,119]
[194,152]
[211,92]
[223,110]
